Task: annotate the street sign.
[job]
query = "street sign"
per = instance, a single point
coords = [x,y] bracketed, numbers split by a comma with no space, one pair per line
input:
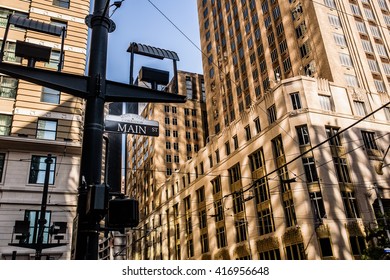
[131,124]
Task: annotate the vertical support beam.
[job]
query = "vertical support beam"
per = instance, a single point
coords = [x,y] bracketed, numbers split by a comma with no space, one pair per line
[42,217]
[86,247]
[61,62]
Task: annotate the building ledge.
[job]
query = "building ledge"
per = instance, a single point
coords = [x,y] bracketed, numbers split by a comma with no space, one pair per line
[30,144]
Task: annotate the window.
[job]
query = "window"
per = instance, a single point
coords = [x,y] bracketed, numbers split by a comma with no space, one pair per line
[345,59]
[167,133]
[334,21]
[383,5]
[200,195]
[289,212]
[248,133]
[265,221]
[295,252]
[235,141]
[350,204]
[234,174]
[360,108]
[61,3]
[303,135]
[330,3]
[300,31]
[5,124]
[221,237]
[361,27]
[358,245]
[318,205]
[8,87]
[369,140]
[355,9]
[387,113]
[190,248]
[305,49]
[261,191]
[373,65]
[257,125]
[218,211]
[381,50]
[380,85]
[227,148]
[46,129]
[168,158]
[310,170]
[168,172]
[168,145]
[287,64]
[369,14]
[61,24]
[367,47]
[175,133]
[216,185]
[326,247]
[296,101]
[2,164]
[375,31]
[54,59]
[271,112]
[32,216]
[4,13]
[325,102]
[351,80]
[204,243]
[342,170]
[217,156]
[240,226]
[270,255]
[9,52]
[50,95]
[238,205]
[256,160]
[202,219]
[38,170]
[331,132]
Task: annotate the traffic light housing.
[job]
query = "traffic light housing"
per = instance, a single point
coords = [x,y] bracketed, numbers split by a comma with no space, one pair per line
[123,213]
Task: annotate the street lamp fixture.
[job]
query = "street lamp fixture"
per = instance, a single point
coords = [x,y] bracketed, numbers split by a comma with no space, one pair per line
[34,52]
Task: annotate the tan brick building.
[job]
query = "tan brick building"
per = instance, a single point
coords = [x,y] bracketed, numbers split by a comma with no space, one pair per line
[36,121]
[281,77]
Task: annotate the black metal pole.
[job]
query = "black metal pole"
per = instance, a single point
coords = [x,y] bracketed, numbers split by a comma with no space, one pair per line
[42,217]
[91,159]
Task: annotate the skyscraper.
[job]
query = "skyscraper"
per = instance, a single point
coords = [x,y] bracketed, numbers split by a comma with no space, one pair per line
[36,121]
[251,45]
[293,165]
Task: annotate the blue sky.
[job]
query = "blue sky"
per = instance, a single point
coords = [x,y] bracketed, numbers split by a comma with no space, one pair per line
[138,21]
